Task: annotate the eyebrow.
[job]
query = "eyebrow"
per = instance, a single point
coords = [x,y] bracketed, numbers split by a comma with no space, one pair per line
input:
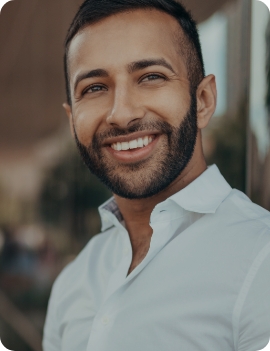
[132,67]
[138,65]
[91,74]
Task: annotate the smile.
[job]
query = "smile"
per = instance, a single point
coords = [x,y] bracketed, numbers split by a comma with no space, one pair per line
[133,150]
[133,144]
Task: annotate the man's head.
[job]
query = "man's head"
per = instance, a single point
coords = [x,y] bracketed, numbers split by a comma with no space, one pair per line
[137,95]
[186,37]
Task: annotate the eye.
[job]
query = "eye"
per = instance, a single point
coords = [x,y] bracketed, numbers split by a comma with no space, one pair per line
[152,76]
[94,89]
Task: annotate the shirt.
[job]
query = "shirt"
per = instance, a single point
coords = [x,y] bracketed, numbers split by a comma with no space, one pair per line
[204,284]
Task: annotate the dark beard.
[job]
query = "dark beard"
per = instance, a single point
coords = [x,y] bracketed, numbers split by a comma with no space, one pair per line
[144,179]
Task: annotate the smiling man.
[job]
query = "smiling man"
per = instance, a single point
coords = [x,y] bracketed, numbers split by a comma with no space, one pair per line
[183,260]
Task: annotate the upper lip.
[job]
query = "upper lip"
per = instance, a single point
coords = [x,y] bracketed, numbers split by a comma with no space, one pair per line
[129,137]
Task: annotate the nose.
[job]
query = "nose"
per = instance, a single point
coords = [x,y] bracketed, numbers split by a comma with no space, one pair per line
[126,108]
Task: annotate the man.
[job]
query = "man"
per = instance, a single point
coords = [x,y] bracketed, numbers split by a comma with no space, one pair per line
[183,260]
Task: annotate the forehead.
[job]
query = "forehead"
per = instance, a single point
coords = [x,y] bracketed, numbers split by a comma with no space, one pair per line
[126,37]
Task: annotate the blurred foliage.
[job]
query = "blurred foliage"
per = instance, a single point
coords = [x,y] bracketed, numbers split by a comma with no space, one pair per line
[70,196]
[229,148]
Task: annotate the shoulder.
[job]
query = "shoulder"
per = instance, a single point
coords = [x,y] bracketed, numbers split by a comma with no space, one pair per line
[251,313]
[81,267]
[241,223]
[76,291]
[237,204]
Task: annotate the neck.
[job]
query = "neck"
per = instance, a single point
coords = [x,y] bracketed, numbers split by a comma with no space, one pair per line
[136,213]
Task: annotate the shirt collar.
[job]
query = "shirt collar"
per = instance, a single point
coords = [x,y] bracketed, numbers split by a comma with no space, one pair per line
[110,214]
[203,195]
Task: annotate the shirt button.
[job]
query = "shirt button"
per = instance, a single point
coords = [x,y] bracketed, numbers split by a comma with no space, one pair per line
[105,320]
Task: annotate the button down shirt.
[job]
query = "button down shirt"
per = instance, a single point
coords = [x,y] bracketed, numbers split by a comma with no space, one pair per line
[204,284]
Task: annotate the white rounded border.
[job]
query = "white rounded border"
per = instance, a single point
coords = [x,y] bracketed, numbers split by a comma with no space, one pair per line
[2,3]
[2,347]
[266,2]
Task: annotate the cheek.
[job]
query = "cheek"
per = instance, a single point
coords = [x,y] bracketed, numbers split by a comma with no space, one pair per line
[87,120]
[170,106]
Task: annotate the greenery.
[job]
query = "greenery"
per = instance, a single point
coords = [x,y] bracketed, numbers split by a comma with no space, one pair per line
[71,195]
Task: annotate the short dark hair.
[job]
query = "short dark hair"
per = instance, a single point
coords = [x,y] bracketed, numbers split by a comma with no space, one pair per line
[92,11]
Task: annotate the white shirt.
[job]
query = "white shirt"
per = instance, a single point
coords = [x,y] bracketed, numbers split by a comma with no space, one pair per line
[204,284]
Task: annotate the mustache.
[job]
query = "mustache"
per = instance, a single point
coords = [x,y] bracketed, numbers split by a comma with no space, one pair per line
[161,126]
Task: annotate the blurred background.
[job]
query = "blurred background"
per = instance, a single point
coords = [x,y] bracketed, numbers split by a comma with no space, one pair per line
[48,199]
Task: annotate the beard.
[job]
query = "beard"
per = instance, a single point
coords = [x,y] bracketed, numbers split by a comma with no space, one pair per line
[148,177]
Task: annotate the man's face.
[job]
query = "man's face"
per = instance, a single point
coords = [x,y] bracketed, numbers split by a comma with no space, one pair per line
[133,116]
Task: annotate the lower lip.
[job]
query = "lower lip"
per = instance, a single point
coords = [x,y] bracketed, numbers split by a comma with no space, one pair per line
[134,155]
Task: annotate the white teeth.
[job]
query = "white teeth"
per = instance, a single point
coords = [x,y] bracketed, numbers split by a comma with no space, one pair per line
[145,141]
[133,144]
[140,142]
[125,146]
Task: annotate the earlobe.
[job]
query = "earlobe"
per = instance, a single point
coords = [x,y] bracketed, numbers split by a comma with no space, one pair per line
[206,100]
[68,110]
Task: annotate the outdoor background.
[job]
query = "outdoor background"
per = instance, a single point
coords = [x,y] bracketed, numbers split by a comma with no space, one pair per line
[48,199]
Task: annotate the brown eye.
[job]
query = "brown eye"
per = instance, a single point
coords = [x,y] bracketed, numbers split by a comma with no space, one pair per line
[94,89]
[152,77]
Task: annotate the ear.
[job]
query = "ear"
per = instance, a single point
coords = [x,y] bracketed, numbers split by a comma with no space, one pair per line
[206,100]
[68,110]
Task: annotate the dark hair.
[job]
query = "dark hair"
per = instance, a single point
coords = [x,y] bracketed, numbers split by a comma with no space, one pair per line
[92,11]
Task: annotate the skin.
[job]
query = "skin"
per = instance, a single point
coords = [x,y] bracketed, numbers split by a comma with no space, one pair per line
[137,35]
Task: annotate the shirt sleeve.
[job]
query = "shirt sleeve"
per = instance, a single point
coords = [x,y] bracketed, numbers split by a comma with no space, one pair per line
[51,336]
[252,310]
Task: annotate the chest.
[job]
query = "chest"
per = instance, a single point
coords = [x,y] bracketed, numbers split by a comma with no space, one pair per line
[158,313]
[183,298]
